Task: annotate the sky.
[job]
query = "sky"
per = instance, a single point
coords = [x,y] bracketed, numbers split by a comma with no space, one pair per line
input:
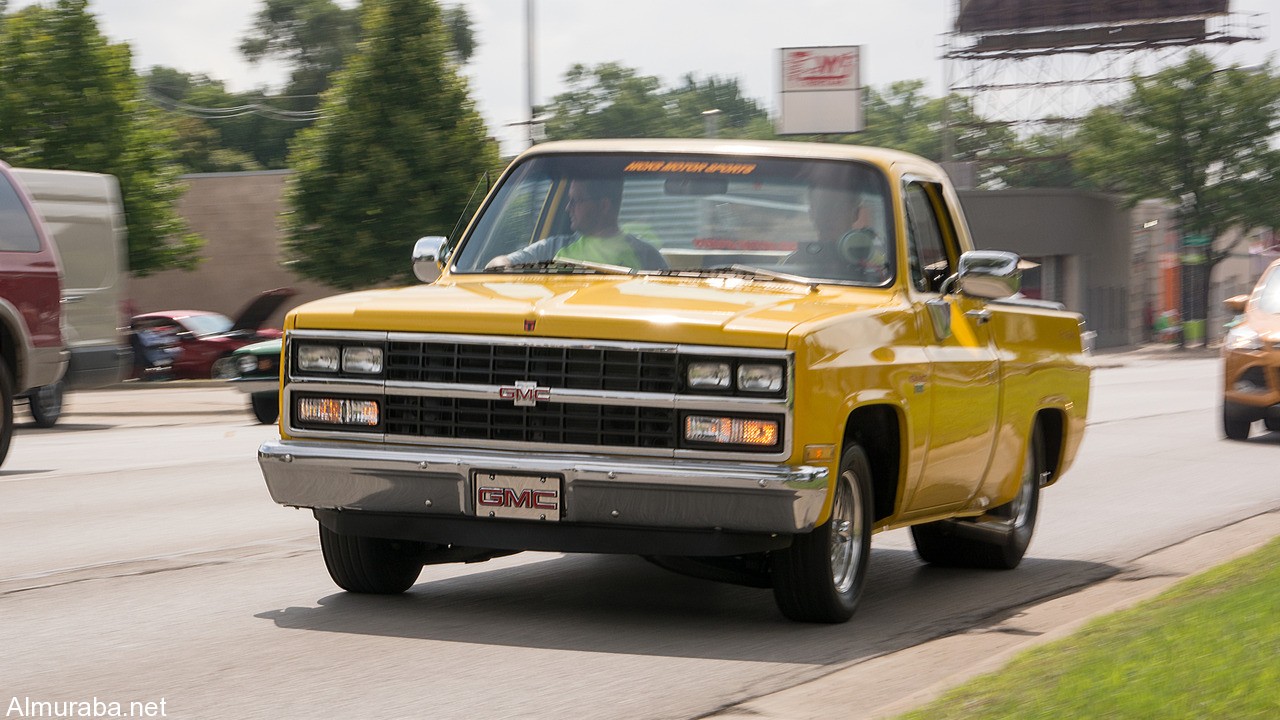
[738,39]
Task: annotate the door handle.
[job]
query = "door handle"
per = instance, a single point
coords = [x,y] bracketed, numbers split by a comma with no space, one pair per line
[982,317]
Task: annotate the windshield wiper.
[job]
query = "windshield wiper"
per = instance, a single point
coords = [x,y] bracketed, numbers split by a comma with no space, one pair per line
[567,265]
[747,271]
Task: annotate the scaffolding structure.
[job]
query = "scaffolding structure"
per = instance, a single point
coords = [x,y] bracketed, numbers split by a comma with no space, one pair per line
[1031,63]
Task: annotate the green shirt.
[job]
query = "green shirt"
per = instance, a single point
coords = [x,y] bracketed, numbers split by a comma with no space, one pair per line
[615,250]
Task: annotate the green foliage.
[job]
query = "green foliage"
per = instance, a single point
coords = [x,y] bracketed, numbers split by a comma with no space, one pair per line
[1198,136]
[1206,649]
[69,101]
[395,157]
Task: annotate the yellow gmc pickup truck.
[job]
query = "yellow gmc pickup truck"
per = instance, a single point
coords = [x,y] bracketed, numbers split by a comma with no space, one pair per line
[736,359]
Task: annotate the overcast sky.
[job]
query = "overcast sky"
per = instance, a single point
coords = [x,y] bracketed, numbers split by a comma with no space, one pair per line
[900,39]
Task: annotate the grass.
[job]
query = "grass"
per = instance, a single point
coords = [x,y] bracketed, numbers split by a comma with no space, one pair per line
[1208,648]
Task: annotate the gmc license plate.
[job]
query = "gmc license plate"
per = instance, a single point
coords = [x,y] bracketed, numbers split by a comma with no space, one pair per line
[521,497]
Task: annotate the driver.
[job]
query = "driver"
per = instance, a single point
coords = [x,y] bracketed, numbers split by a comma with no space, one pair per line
[846,246]
[593,214]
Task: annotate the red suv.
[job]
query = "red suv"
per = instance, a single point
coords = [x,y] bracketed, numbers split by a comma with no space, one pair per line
[33,355]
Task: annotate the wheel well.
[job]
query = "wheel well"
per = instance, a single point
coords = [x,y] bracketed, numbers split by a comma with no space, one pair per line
[876,429]
[1051,423]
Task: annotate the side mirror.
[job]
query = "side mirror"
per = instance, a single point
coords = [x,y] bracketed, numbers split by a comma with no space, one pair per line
[1236,303]
[429,257]
[989,274]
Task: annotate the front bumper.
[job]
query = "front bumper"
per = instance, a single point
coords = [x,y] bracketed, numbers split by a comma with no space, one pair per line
[600,491]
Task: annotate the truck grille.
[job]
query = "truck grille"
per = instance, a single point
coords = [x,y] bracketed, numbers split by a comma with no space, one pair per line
[559,423]
[573,368]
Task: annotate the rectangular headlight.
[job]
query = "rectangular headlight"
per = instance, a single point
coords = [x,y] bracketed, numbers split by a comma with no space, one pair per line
[758,377]
[365,360]
[710,376]
[337,411]
[731,431]
[318,358]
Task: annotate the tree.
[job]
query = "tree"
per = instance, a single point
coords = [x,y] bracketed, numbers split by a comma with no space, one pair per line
[687,103]
[69,100]
[396,155]
[1199,137]
[606,101]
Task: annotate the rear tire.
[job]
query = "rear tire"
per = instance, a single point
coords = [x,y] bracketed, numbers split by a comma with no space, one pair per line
[46,404]
[1233,426]
[374,566]
[1000,541]
[266,406]
[6,410]
[820,577]
[1271,424]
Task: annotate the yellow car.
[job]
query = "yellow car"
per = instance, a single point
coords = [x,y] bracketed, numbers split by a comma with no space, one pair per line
[1251,359]
[737,359]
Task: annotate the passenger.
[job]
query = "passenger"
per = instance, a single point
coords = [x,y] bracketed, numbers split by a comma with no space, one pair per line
[593,215]
[848,245]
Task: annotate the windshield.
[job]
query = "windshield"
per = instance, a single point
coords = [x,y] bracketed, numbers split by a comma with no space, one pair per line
[802,219]
[1269,293]
[211,324]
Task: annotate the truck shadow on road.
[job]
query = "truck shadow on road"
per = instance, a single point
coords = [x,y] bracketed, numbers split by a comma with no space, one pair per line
[622,604]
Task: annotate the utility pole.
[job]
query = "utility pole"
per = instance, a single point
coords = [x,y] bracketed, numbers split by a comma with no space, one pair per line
[529,66]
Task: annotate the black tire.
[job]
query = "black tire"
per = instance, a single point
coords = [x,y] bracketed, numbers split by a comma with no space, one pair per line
[46,404]
[6,410]
[265,406]
[1271,424]
[370,565]
[1000,539]
[820,577]
[1233,426]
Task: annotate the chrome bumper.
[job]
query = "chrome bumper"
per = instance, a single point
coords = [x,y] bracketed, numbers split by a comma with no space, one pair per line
[599,490]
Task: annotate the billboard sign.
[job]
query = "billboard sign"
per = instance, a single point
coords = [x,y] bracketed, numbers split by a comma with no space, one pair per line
[821,90]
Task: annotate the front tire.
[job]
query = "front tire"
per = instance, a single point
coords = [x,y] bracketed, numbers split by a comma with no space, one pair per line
[6,410]
[1000,540]
[820,577]
[265,406]
[1234,426]
[374,566]
[46,404]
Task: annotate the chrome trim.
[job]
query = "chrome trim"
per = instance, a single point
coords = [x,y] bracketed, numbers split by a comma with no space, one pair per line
[783,406]
[636,492]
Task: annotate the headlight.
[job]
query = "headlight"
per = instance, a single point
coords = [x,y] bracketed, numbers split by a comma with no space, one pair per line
[365,360]
[731,431]
[755,377]
[318,358]
[1243,337]
[247,363]
[710,376]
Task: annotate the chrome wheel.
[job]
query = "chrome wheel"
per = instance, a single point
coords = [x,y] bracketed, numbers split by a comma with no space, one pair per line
[846,535]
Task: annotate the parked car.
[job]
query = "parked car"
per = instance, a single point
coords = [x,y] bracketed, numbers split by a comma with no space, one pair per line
[199,344]
[1251,359]
[258,375]
[33,352]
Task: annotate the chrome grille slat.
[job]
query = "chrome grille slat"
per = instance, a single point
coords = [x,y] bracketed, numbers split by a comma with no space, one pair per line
[558,423]
[610,369]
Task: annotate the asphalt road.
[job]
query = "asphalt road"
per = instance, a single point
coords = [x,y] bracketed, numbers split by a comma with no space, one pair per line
[144,562]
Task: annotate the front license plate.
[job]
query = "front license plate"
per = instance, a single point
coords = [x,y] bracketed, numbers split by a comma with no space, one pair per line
[522,497]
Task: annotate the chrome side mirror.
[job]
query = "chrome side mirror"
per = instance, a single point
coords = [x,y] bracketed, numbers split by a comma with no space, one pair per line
[1236,303]
[989,274]
[429,257]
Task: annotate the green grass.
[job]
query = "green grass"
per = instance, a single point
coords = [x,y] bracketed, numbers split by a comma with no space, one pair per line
[1208,648]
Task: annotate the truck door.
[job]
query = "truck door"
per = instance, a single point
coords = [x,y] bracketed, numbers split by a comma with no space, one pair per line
[962,379]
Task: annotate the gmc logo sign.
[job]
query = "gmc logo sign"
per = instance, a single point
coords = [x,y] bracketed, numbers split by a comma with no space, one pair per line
[525,393]
[505,497]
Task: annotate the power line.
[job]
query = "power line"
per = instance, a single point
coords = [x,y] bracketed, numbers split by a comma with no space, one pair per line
[214,113]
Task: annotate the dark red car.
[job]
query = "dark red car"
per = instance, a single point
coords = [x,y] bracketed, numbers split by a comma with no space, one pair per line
[197,344]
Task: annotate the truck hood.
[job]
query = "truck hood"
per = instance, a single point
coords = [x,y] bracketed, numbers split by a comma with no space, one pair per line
[704,311]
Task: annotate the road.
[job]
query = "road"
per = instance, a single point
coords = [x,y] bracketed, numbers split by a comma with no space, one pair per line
[144,562]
